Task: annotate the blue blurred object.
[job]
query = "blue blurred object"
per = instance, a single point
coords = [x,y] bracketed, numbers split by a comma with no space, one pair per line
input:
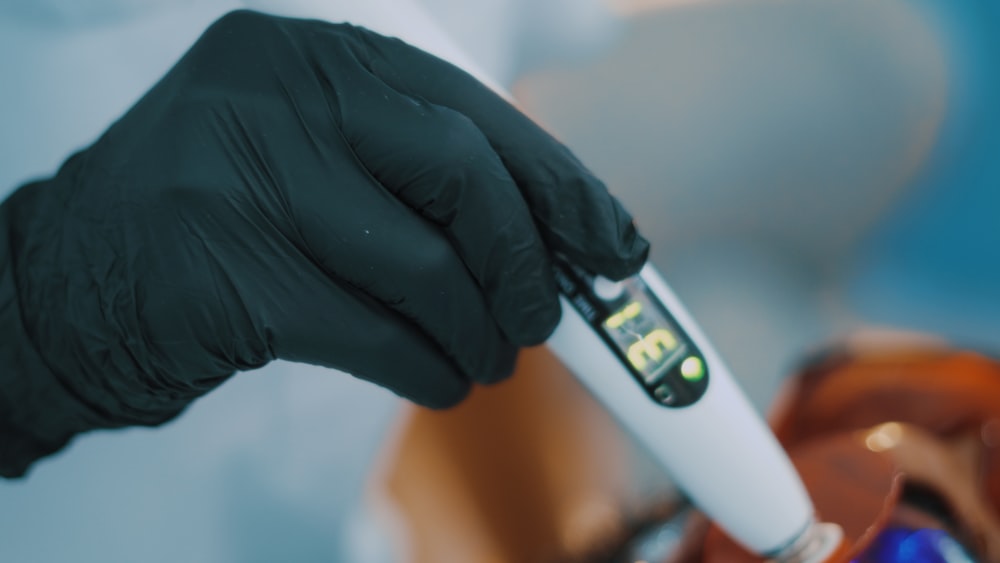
[934,263]
[904,545]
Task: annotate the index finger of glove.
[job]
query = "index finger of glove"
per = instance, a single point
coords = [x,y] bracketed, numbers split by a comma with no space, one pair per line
[438,162]
[575,213]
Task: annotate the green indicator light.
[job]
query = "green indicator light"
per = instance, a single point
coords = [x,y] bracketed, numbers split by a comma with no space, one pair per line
[692,368]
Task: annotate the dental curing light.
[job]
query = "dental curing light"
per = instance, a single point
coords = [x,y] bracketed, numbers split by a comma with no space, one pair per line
[637,349]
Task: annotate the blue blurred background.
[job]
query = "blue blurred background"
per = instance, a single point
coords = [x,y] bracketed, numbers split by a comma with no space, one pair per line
[804,170]
[933,261]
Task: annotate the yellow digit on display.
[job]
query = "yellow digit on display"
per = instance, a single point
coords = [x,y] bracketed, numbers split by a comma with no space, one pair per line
[630,311]
[651,347]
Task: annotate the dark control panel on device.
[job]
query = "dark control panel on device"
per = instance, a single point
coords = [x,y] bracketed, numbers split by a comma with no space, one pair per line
[641,332]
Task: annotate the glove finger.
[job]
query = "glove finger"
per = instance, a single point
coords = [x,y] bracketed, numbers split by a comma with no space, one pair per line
[440,164]
[361,234]
[344,328]
[576,214]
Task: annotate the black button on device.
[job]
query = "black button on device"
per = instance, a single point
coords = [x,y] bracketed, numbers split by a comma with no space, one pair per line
[664,394]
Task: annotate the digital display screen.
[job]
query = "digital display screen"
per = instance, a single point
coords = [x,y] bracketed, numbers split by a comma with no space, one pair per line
[640,330]
[650,342]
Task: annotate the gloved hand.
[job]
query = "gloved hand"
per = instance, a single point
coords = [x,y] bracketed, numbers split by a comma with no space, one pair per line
[298,190]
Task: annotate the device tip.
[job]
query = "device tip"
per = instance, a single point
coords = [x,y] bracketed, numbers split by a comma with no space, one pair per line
[820,543]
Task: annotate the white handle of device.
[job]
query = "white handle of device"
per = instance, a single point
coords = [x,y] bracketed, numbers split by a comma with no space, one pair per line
[719,450]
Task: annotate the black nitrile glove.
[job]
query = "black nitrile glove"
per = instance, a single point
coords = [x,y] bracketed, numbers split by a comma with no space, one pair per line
[297,190]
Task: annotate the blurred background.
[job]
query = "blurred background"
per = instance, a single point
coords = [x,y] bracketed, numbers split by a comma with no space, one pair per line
[803,169]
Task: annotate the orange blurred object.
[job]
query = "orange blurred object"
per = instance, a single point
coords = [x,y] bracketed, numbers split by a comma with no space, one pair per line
[850,485]
[534,470]
[931,412]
